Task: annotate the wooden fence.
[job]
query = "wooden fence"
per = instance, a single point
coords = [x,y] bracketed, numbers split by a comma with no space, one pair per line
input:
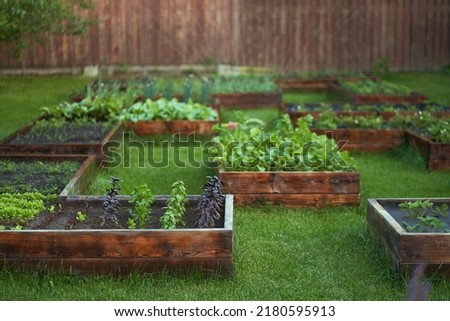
[283,34]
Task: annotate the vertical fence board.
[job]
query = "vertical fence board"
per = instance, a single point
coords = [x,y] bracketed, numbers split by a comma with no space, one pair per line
[284,34]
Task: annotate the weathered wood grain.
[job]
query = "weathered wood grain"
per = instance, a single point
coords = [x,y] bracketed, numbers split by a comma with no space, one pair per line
[404,250]
[437,155]
[122,251]
[292,188]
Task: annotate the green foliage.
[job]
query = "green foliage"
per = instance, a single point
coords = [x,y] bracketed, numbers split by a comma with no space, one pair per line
[163,109]
[175,206]
[436,129]
[416,208]
[80,217]
[21,207]
[367,87]
[142,198]
[47,178]
[248,146]
[20,18]
[381,67]
[99,108]
[427,215]
[242,84]
[331,120]
[54,131]
[321,74]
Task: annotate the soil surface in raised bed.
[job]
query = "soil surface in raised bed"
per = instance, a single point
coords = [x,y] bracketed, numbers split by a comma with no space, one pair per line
[36,176]
[67,133]
[65,219]
[400,216]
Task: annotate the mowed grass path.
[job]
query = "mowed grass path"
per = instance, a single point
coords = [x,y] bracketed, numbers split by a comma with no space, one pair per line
[279,254]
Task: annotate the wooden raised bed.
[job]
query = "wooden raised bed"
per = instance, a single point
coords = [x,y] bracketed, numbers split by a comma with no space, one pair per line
[248,100]
[293,189]
[405,250]
[364,140]
[290,109]
[183,127]
[379,98]
[296,83]
[77,183]
[121,251]
[437,155]
[7,147]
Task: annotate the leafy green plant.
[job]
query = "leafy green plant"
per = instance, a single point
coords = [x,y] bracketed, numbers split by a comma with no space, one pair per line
[111,203]
[211,204]
[175,206]
[21,19]
[381,67]
[242,84]
[427,215]
[142,198]
[416,209]
[163,109]
[21,207]
[248,146]
[81,217]
[367,87]
[93,107]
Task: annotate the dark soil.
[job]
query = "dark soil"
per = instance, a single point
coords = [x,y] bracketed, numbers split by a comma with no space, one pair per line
[69,132]
[400,216]
[65,219]
[36,176]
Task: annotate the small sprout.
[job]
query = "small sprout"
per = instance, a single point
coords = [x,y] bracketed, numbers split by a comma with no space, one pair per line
[81,217]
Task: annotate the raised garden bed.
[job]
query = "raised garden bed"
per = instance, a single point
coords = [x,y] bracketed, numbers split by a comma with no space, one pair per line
[364,140]
[69,139]
[169,117]
[387,111]
[293,189]
[63,245]
[285,167]
[316,82]
[399,98]
[247,100]
[404,250]
[38,178]
[183,127]
[436,154]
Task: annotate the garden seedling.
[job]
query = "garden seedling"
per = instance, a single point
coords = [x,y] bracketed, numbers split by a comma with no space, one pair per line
[176,206]
[111,204]
[142,198]
[416,209]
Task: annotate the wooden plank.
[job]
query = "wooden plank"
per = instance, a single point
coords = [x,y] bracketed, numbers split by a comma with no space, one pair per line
[290,182]
[298,200]
[116,244]
[123,267]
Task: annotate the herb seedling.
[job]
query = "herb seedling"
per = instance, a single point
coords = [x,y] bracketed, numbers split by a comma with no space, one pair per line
[81,217]
[111,203]
[211,204]
[176,206]
[142,198]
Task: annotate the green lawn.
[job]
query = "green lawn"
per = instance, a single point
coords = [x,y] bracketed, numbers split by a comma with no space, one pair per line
[279,254]
[21,97]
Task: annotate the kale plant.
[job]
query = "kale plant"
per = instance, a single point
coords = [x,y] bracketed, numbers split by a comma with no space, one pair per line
[111,204]
[211,204]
